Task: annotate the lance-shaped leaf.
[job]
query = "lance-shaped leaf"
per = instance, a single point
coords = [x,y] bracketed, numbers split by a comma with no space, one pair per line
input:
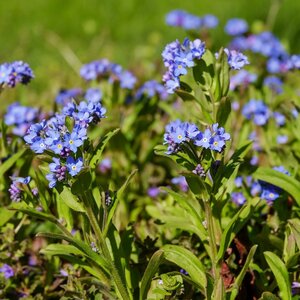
[222,70]
[187,261]
[281,275]
[235,225]
[119,195]
[12,160]
[67,252]
[285,182]
[71,200]
[238,281]
[80,245]
[97,154]
[152,267]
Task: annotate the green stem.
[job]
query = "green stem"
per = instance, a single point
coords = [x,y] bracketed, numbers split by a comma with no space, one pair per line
[114,272]
[216,267]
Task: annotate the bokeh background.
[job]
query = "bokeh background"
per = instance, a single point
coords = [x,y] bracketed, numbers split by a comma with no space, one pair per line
[56,37]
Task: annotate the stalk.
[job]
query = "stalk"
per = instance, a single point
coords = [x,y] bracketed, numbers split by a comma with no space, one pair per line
[216,267]
[114,272]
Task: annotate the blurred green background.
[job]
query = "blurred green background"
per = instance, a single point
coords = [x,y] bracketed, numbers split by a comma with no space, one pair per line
[56,36]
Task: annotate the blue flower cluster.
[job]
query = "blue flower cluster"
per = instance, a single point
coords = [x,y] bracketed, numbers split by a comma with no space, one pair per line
[55,135]
[274,83]
[264,190]
[180,18]
[242,78]
[236,26]
[15,72]
[178,58]
[256,110]
[21,117]
[236,60]
[212,138]
[15,189]
[7,271]
[104,69]
[150,89]
[265,43]
[66,96]
[180,181]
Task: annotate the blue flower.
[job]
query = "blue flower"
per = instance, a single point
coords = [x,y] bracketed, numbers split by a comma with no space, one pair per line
[93,95]
[238,181]
[7,271]
[74,166]
[38,145]
[209,21]
[238,198]
[105,165]
[73,141]
[282,139]
[242,78]
[181,182]
[203,138]
[150,89]
[21,117]
[180,18]
[279,118]
[65,96]
[177,58]
[256,110]
[5,71]
[236,60]
[274,83]
[236,26]
[153,191]
[127,80]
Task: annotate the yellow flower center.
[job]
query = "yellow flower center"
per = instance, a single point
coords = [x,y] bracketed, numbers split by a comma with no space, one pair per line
[73,168]
[179,136]
[71,142]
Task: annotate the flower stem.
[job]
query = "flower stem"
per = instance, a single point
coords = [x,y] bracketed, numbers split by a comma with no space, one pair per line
[104,249]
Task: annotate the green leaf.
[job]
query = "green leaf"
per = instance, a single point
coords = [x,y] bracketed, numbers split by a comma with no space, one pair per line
[96,157]
[224,179]
[222,70]
[238,281]
[152,267]
[185,96]
[295,229]
[184,202]
[82,183]
[67,251]
[37,214]
[187,261]
[80,245]
[268,296]
[68,198]
[235,225]
[12,160]
[204,71]
[285,182]
[61,249]
[281,274]
[119,195]
[198,186]
[5,215]
[223,111]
